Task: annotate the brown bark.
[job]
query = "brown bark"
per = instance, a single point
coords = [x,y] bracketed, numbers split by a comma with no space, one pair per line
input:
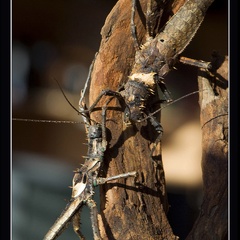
[212,222]
[130,209]
[136,209]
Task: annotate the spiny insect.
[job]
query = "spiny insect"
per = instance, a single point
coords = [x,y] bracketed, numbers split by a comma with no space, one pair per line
[154,59]
[86,179]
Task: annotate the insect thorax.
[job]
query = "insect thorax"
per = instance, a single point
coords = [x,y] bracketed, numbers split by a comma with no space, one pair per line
[136,94]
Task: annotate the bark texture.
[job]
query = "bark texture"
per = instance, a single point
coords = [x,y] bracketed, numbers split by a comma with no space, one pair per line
[130,208]
[212,222]
[137,208]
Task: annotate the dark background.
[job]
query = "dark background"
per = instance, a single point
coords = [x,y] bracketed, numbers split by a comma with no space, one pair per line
[58,40]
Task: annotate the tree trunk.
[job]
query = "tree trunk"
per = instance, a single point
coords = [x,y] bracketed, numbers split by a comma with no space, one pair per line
[212,222]
[137,208]
[130,209]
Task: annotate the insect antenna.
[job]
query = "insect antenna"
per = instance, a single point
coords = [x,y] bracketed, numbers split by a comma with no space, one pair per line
[67,98]
[83,109]
[45,121]
[82,106]
[170,103]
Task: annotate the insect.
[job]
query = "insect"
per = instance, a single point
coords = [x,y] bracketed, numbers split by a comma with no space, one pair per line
[128,109]
[153,61]
[86,178]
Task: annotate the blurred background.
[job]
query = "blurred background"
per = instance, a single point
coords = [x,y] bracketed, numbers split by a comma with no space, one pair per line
[57,40]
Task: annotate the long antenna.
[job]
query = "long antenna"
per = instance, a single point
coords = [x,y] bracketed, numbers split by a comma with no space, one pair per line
[45,121]
[161,108]
[67,98]
[82,109]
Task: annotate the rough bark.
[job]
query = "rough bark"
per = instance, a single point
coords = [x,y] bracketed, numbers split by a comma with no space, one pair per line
[130,209]
[136,209]
[212,222]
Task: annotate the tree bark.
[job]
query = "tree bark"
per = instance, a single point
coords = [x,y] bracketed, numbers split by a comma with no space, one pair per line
[212,222]
[137,208]
[131,208]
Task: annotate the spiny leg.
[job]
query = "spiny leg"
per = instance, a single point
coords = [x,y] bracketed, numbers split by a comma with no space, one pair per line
[164,89]
[62,222]
[149,26]
[104,117]
[94,218]
[133,26]
[106,92]
[149,22]
[153,16]
[77,225]
[85,112]
[104,134]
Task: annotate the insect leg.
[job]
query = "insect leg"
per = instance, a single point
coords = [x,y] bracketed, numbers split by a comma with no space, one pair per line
[149,13]
[82,104]
[153,17]
[104,110]
[157,125]
[62,222]
[77,225]
[133,26]
[164,90]
[94,213]
[87,81]
[105,92]
[83,108]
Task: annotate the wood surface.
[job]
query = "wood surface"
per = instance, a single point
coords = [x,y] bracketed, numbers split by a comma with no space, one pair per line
[137,208]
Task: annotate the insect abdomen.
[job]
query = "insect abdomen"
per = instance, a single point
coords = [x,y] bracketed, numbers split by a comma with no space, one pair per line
[159,54]
[182,27]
